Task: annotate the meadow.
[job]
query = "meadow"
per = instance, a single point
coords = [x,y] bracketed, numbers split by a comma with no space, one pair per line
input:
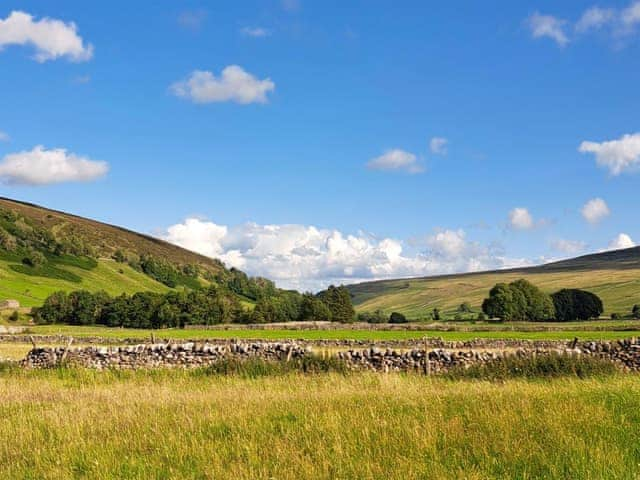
[178,424]
[346,333]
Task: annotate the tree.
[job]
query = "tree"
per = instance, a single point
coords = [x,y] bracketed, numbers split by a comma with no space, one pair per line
[312,308]
[518,301]
[338,300]
[635,312]
[397,317]
[15,316]
[55,309]
[436,314]
[574,304]
[464,308]
[376,317]
[34,258]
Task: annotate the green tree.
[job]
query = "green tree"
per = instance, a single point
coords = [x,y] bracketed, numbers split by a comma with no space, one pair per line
[518,301]
[574,304]
[397,317]
[635,312]
[312,308]
[55,309]
[338,300]
[436,314]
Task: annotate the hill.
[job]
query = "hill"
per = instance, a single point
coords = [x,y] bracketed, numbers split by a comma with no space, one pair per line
[44,250]
[614,276]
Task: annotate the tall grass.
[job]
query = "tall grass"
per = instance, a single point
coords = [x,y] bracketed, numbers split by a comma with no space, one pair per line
[175,424]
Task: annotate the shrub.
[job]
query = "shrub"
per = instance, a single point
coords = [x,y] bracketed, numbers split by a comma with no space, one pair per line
[376,317]
[33,258]
[635,312]
[14,317]
[616,316]
[397,317]
[436,314]
[518,300]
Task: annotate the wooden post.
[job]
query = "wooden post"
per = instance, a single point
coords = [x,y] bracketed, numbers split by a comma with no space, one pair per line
[574,343]
[153,338]
[33,342]
[427,364]
[64,354]
[289,353]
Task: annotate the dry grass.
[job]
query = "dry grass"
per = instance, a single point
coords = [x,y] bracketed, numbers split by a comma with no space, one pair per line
[174,424]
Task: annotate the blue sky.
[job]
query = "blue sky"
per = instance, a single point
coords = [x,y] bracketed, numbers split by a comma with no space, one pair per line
[312,159]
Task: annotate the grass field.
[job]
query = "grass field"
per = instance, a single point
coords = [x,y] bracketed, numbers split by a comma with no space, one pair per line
[619,289]
[176,424]
[327,334]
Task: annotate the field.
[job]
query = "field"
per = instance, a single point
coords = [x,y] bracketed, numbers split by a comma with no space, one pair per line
[581,330]
[619,289]
[176,424]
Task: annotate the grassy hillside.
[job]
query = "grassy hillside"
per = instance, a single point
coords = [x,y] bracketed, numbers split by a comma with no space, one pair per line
[614,276]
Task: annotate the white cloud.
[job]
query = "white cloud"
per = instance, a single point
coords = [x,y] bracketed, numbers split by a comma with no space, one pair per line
[51,38]
[192,19]
[619,156]
[548,26]
[44,167]
[234,85]
[307,257]
[568,246]
[595,210]
[620,242]
[595,18]
[438,145]
[256,32]
[521,219]
[630,16]
[396,159]
[4,136]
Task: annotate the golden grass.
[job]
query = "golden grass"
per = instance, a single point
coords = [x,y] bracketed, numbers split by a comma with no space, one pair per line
[175,424]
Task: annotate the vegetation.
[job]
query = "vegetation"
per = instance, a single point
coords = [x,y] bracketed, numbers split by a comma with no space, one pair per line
[519,300]
[635,312]
[183,424]
[215,305]
[338,300]
[574,304]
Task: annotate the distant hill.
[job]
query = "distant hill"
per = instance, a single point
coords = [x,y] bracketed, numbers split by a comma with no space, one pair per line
[73,252]
[614,276]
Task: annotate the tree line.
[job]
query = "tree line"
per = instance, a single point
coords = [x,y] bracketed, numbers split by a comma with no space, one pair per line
[211,306]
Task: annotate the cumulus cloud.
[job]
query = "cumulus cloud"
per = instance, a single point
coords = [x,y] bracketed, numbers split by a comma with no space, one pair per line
[568,246]
[51,38]
[621,241]
[619,156]
[521,219]
[256,32]
[398,160]
[548,26]
[43,167]
[438,145]
[233,85]
[595,210]
[4,137]
[307,257]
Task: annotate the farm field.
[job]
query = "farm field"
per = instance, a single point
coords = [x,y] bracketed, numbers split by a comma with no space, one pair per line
[177,424]
[344,334]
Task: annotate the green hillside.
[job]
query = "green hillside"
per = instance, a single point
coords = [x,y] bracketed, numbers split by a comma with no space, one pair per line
[43,251]
[614,276]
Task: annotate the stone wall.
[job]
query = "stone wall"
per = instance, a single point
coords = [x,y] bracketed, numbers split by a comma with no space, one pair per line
[197,354]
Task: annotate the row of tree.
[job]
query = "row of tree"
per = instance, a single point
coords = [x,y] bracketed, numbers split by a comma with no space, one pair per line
[211,306]
[522,301]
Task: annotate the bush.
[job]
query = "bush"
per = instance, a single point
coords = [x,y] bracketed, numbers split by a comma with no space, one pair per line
[616,316]
[14,317]
[635,312]
[436,314]
[376,317]
[33,258]
[574,304]
[396,317]
[541,366]
[518,301]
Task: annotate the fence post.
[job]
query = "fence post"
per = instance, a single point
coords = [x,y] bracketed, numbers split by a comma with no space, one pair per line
[64,354]
[427,364]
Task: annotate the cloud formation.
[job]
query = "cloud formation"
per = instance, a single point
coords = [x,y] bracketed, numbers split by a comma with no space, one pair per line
[398,160]
[44,167]
[568,246]
[4,136]
[233,85]
[51,38]
[619,156]
[621,241]
[307,257]
[595,210]
[520,219]
[438,145]
[256,32]
[548,26]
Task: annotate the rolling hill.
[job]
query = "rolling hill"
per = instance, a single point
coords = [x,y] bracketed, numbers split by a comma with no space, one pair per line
[79,253]
[614,276]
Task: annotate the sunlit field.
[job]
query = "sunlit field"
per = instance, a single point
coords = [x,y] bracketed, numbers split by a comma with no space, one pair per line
[177,424]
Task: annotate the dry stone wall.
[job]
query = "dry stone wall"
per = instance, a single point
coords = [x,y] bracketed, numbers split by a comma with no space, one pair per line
[625,353]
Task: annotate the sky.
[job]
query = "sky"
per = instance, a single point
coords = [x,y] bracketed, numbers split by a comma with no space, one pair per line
[331,142]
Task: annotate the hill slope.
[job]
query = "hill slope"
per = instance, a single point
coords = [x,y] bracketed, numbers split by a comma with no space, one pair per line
[614,276]
[78,253]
